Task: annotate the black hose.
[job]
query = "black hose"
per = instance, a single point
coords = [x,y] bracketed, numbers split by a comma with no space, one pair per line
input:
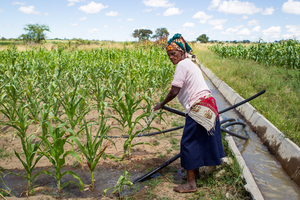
[156,169]
[220,112]
[149,134]
[227,120]
[183,114]
[174,111]
[233,123]
[242,102]
[222,129]
[236,135]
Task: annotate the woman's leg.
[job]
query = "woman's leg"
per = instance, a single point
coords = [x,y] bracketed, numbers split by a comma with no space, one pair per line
[197,174]
[190,185]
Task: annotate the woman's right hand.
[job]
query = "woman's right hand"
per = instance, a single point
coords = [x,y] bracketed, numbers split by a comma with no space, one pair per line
[158,106]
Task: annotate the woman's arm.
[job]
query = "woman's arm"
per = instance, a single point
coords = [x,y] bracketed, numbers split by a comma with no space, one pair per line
[172,94]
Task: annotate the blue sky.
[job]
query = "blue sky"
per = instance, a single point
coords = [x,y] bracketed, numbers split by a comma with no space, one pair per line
[116,19]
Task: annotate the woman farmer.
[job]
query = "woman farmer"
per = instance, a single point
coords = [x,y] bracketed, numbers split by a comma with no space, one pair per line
[201,143]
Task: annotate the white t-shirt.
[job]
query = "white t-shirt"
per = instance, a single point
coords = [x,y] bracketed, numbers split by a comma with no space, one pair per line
[189,78]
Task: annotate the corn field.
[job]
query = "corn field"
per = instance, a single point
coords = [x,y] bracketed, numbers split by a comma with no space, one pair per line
[54,91]
[286,54]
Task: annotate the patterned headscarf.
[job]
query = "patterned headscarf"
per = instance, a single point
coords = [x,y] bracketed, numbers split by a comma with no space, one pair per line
[178,43]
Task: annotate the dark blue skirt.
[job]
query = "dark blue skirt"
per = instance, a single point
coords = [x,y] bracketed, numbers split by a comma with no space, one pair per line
[199,149]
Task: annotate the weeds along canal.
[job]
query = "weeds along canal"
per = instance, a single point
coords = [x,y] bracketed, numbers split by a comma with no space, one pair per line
[271,179]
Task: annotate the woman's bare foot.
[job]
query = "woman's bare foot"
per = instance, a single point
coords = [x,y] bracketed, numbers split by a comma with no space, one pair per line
[186,188]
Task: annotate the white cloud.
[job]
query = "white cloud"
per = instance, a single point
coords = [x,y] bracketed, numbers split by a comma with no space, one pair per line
[189,32]
[273,31]
[230,31]
[218,27]
[214,4]
[217,23]
[7,24]
[158,3]
[75,24]
[119,20]
[202,16]
[188,24]
[291,7]
[105,26]
[30,22]
[239,26]
[253,23]
[112,14]
[172,11]
[18,3]
[245,17]
[268,11]
[147,10]
[238,7]
[83,18]
[29,10]
[72,2]
[93,30]
[1,10]
[157,13]
[130,19]
[294,29]
[256,29]
[46,14]
[92,7]
[121,27]
[287,36]
[244,31]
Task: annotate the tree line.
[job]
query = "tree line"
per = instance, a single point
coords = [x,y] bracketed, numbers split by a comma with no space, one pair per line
[36,33]
[160,34]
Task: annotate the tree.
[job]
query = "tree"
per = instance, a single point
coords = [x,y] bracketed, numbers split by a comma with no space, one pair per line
[161,34]
[3,39]
[35,32]
[202,38]
[142,34]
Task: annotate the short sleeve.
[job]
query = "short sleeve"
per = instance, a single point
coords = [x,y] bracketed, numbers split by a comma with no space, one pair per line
[179,76]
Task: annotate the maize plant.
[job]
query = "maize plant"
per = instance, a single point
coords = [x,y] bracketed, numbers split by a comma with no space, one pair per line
[92,148]
[30,151]
[126,106]
[286,54]
[54,151]
[124,180]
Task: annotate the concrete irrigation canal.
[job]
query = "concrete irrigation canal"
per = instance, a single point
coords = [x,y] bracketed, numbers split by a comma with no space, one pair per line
[271,179]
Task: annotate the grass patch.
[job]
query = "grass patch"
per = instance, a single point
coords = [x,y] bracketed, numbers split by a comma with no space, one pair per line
[280,103]
[4,153]
[175,143]
[176,123]
[169,151]
[156,143]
